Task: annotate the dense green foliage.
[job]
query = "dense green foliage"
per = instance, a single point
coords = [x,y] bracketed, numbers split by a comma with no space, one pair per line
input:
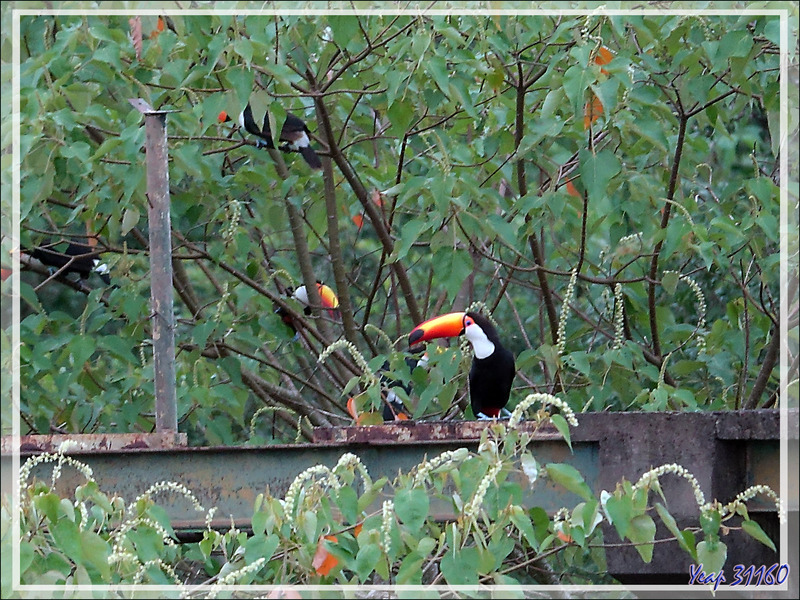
[339,526]
[452,140]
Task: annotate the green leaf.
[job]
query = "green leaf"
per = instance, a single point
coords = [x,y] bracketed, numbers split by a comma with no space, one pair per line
[643,529]
[260,546]
[670,282]
[67,538]
[48,504]
[408,235]
[712,555]
[563,428]
[344,28]
[579,361]
[241,79]
[347,501]
[710,521]
[597,170]
[522,522]
[669,521]
[460,567]
[129,220]
[82,348]
[410,572]
[366,559]
[148,542]
[570,478]
[369,496]
[754,530]
[96,551]
[412,507]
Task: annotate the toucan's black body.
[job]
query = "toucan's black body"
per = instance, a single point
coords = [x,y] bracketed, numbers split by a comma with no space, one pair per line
[493,369]
[490,378]
[294,133]
[77,258]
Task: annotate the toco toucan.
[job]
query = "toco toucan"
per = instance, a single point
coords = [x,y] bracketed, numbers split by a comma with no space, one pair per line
[76,258]
[326,296]
[492,371]
[294,134]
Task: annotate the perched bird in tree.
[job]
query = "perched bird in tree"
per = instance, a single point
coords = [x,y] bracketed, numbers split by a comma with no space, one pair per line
[493,369]
[294,134]
[326,296]
[79,258]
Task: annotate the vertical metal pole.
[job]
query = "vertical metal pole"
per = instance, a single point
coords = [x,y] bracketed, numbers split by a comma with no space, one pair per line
[161,270]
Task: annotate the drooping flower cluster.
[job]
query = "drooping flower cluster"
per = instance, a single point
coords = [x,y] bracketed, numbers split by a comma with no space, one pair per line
[647,479]
[519,410]
[619,317]
[427,466]
[386,525]
[750,493]
[700,305]
[472,507]
[561,337]
[371,378]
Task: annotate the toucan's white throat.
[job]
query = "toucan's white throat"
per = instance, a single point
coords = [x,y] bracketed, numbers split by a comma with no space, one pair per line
[301,294]
[482,346]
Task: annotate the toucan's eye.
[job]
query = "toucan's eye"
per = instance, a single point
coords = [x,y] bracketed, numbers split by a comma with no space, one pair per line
[468,321]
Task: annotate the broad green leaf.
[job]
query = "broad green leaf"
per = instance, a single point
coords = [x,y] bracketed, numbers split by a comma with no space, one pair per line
[642,530]
[570,478]
[597,170]
[366,560]
[460,567]
[669,521]
[260,546]
[754,530]
[411,506]
[712,555]
[563,428]
[95,551]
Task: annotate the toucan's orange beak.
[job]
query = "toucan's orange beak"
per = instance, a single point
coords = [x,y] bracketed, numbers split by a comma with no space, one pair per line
[351,408]
[449,325]
[326,295]
[222,117]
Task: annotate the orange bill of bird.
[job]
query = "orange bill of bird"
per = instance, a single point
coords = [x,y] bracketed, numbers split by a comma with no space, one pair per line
[448,325]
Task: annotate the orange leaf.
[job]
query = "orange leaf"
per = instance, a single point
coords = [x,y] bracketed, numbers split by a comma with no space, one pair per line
[5,273]
[323,560]
[357,529]
[358,220]
[603,57]
[351,408]
[592,111]
[560,534]
[572,190]
[376,198]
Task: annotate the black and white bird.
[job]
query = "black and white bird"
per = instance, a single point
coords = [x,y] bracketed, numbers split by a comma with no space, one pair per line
[83,259]
[493,369]
[294,134]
